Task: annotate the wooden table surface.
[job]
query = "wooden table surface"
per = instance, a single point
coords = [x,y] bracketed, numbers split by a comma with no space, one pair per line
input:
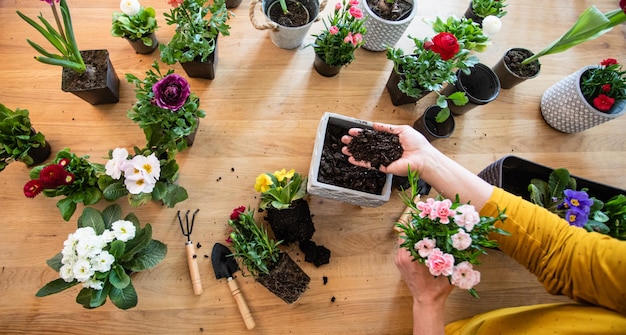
[263,108]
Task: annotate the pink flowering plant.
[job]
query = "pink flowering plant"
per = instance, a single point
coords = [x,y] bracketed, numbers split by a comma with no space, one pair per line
[342,35]
[447,236]
[166,110]
[604,85]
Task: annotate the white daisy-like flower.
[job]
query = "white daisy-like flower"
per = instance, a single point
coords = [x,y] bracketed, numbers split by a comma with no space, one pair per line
[123,230]
[94,284]
[82,270]
[137,184]
[66,273]
[115,165]
[102,262]
[130,7]
[491,25]
[89,246]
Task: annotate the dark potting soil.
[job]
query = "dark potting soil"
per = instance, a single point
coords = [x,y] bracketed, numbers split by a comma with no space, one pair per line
[390,11]
[313,253]
[286,280]
[293,224]
[378,148]
[297,15]
[513,59]
[94,77]
[336,170]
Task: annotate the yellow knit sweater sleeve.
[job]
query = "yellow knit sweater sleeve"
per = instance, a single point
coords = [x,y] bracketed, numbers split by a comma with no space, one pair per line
[567,260]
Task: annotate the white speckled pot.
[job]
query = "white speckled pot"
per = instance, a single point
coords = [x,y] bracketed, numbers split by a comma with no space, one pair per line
[565,109]
[382,33]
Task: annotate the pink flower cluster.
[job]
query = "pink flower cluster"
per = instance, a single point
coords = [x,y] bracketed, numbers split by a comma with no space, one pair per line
[438,262]
[355,12]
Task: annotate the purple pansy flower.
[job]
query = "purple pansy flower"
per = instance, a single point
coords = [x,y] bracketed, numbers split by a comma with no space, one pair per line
[171,92]
[576,217]
[578,199]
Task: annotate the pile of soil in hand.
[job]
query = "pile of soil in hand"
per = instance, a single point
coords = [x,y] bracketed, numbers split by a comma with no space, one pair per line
[513,59]
[391,11]
[313,253]
[336,170]
[378,148]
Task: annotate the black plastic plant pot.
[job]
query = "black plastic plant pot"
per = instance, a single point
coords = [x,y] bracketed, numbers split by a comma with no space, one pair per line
[141,48]
[513,174]
[398,97]
[510,78]
[204,70]
[469,14]
[430,128]
[481,87]
[99,84]
[324,69]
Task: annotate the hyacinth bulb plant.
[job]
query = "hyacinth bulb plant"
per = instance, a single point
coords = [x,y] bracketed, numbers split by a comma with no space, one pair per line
[101,255]
[280,189]
[342,35]
[196,33]
[434,61]
[68,175]
[447,236]
[134,22]
[62,38]
[591,24]
[166,110]
[141,177]
[559,195]
[604,85]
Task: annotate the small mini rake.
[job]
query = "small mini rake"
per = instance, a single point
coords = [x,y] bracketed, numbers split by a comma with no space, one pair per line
[192,261]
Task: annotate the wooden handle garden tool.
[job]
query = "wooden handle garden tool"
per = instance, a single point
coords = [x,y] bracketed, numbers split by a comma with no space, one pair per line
[192,258]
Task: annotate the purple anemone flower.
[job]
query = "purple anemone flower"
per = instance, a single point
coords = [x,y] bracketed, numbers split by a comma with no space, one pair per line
[171,92]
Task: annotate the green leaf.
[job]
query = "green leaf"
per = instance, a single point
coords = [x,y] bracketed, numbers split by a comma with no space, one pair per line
[115,191]
[141,240]
[149,257]
[558,181]
[124,298]
[84,298]
[118,277]
[539,192]
[55,286]
[111,214]
[91,217]
[175,194]
[67,207]
[443,115]
[117,249]
[98,297]
[55,262]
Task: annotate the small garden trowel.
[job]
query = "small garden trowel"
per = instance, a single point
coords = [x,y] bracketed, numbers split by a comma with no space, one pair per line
[224,266]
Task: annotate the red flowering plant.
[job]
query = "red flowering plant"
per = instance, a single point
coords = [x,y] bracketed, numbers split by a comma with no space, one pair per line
[166,110]
[434,61]
[447,236]
[602,86]
[253,247]
[68,175]
[342,35]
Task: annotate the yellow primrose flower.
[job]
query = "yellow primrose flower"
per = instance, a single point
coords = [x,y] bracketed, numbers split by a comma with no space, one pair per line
[282,174]
[263,183]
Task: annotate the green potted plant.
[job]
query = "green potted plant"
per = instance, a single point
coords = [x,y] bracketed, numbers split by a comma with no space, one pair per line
[260,256]
[167,111]
[579,208]
[589,97]
[194,44]
[118,248]
[519,64]
[434,63]
[282,197]
[136,24]
[141,177]
[478,10]
[87,74]
[19,141]
[335,45]
[68,175]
